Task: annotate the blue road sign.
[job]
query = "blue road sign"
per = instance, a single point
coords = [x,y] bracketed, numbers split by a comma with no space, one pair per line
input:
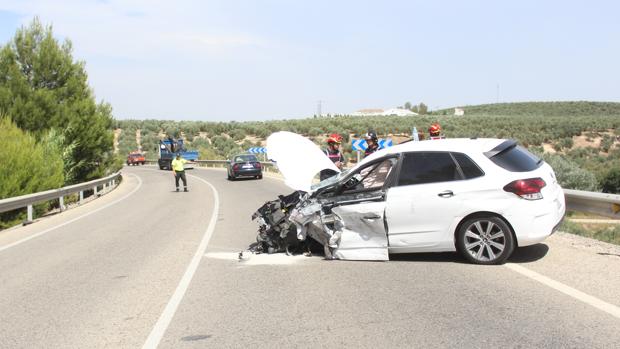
[359,144]
[385,143]
[257,150]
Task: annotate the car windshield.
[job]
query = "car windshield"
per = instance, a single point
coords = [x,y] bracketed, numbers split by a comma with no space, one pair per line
[331,180]
[245,158]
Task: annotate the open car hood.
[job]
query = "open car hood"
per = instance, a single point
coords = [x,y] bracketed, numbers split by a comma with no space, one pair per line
[298,159]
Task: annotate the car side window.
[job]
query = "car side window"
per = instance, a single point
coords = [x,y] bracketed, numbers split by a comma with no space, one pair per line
[373,176]
[428,167]
[468,166]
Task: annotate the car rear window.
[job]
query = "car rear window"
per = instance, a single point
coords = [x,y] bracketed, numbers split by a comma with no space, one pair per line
[513,157]
[427,167]
[244,158]
[468,166]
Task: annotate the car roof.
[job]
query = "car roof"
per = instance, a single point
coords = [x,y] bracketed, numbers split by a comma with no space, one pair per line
[463,145]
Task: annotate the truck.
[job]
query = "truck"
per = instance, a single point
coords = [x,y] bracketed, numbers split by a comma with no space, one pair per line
[135,158]
[169,148]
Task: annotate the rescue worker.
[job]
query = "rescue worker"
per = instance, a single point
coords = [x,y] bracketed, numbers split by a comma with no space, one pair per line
[334,154]
[372,141]
[178,170]
[435,131]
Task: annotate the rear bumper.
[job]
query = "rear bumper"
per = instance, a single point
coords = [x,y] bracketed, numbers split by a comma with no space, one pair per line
[247,173]
[531,230]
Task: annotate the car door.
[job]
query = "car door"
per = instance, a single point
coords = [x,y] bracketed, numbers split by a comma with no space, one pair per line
[422,205]
[360,207]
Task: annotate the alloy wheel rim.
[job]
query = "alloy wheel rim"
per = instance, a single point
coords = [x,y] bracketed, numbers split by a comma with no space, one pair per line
[485,240]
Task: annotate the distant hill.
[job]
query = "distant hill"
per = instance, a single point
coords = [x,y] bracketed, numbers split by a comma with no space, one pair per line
[572,108]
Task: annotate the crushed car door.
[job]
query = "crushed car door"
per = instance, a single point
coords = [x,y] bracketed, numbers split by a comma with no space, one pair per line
[360,209]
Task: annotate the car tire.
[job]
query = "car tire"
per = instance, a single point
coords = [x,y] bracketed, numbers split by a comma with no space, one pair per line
[260,176]
[485,240]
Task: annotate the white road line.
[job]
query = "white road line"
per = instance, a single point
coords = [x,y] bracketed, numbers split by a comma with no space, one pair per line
[173,304]
[567,290]
[18,242]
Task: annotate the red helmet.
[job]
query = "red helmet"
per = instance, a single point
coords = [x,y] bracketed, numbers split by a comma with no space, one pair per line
[334,138]
[434,130]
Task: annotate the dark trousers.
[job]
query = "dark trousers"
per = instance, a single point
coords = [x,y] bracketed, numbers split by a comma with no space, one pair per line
[180,174]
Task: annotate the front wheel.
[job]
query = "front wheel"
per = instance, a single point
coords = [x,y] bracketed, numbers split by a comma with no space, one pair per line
[485,240]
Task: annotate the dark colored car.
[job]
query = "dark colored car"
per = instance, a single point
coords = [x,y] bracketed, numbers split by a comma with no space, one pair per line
[244,165]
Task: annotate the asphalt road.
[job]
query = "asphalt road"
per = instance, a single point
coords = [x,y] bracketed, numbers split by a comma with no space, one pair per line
[133,273]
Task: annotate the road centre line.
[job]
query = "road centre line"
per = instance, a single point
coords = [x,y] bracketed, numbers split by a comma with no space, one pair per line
[19,242]
[567,290]
[166,316]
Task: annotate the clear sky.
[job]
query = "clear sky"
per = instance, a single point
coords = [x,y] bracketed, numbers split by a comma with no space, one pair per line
[272,59]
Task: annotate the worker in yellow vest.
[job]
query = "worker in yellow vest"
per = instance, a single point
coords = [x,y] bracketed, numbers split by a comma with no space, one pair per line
[178,170]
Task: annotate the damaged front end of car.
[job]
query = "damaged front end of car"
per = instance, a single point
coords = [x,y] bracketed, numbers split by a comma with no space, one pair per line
[344,213]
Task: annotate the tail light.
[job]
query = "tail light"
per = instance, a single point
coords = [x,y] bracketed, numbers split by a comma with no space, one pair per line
[257,165]
[235,167]
[528,189]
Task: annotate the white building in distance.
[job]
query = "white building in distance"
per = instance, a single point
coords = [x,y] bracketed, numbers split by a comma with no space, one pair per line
[459,111]
[384,112]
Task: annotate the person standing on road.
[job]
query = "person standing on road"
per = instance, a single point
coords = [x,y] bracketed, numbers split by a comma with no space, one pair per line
[178,170]
[334,154]
[372,141]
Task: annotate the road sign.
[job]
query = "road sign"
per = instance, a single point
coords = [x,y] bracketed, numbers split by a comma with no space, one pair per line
[359,144]
[257,150]
[385,143]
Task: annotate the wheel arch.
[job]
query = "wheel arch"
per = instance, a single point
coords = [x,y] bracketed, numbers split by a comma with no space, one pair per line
[482,214]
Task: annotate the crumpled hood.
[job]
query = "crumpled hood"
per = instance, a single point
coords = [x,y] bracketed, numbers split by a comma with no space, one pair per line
[297,158]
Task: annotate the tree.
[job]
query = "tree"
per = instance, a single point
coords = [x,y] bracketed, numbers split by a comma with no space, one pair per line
[42,87]
[408,105]
[422,109]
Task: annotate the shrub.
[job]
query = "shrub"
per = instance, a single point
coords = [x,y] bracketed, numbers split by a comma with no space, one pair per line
[27,166]
[570,175]
[611,181]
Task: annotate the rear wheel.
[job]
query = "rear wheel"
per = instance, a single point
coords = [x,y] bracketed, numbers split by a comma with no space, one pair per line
[260,176]
[485,240]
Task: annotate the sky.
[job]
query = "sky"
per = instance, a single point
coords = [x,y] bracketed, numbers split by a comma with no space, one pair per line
[275,59]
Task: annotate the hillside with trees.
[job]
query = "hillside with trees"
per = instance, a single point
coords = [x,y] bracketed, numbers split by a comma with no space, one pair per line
[584,143]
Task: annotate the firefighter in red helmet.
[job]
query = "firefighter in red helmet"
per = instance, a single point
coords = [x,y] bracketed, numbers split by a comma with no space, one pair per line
[435,131]
[334,154]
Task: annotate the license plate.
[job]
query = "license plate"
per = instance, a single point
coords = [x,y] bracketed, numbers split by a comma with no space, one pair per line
[247,166]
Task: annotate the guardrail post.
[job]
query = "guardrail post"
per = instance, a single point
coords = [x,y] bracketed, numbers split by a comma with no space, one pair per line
[81,196]
[29,219]
[95,191]
[61,203]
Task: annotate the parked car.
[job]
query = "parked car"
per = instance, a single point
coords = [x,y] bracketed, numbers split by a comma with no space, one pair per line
[480,197]
[135,158]
[244,165]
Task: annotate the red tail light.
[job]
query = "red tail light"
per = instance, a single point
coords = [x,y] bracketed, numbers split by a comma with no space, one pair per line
[257,165]
[528,189]
[235,167]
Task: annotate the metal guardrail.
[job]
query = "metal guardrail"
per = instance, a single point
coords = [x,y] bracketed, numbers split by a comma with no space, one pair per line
[602,204]
[28,200]
[219,163]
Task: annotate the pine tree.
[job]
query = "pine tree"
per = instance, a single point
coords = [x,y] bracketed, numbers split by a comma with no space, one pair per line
[43,87]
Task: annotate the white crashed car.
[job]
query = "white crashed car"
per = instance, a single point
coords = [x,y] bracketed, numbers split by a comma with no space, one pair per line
[480,197]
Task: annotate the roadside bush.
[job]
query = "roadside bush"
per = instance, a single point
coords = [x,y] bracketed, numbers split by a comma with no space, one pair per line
[611,182]
[27,167]
[570,175]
